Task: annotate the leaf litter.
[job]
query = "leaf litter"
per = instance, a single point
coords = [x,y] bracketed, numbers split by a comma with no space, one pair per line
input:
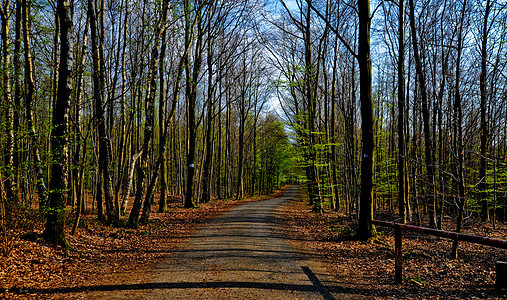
[367,268]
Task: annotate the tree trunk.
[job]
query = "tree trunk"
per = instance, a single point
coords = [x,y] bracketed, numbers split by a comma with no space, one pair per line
[484,116]
[458,123]
[241,133]
[150,121]
[401,113]
[54,231]
[310,82]
[17,151]
[192,77]
[112,212]
[80,151]
[366,229]
[130,180]
[207,167]
[428,141]
[124,133]
[8,107]
[162,207]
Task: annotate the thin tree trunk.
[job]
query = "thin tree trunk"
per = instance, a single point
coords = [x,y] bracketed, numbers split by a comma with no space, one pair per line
[130,180]
[219,150]
[458,124]
[191,98]
[112,212]
[162,207]
[17,151]
[428,141]
[241,133]
[150,120]
[124,133]
[9,183]
[80,151]
[484,116]
[310,81]
[334,162]
[401,113]
[207,167]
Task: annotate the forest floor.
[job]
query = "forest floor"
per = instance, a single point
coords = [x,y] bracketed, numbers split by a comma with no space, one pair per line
[104,255]
[428,270]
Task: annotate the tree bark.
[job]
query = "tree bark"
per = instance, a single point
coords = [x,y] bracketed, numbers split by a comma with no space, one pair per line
[366,228]
[162,207]
[401,113]
[17,151]
[54,231]
[8,107]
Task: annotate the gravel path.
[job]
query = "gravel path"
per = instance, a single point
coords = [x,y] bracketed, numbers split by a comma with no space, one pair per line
[242,254]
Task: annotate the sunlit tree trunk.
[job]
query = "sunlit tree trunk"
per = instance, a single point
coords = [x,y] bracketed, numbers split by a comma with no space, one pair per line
[29,99]
[207,167]
[8,107]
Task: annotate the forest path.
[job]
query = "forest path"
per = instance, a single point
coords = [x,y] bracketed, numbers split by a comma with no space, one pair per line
[242,254]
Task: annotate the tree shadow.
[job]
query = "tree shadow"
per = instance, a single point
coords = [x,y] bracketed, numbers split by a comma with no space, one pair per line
[316,287]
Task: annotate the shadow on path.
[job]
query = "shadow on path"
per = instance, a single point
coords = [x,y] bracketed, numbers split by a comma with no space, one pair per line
[317,287]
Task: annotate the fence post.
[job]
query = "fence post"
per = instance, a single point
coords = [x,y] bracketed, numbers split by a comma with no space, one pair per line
[398,254]
[501,275]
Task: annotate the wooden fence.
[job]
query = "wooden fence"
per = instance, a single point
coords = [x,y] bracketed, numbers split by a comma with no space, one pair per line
[399,228]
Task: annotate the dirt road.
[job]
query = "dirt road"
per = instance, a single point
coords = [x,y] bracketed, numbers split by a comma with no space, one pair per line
[244,255]
[241,255]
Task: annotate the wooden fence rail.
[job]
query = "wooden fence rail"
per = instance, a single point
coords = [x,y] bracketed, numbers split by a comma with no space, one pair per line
[399,228]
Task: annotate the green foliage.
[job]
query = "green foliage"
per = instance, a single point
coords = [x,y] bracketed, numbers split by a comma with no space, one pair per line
[495,183]
[276,156]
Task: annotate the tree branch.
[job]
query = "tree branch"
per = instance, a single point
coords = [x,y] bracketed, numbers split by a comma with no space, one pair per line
[331,27]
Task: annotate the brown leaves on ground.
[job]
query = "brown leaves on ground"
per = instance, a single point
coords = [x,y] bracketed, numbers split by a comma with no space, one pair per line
[101,254]
[367,269]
